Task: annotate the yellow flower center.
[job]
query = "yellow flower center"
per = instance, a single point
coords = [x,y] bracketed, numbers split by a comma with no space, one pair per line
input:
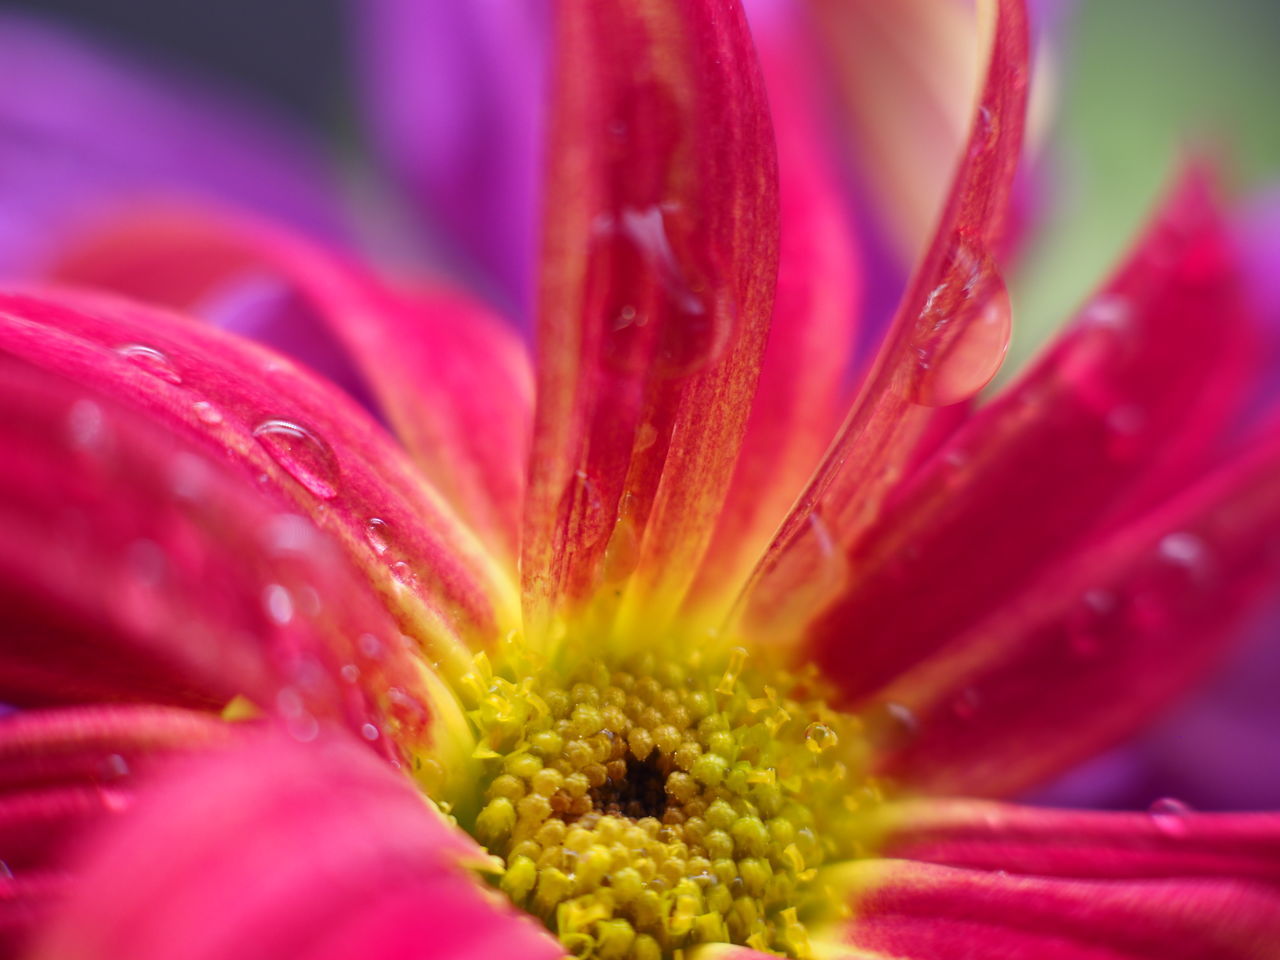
[654,803]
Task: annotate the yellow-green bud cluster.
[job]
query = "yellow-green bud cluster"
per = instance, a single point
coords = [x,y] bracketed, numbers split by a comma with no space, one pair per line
[653,804]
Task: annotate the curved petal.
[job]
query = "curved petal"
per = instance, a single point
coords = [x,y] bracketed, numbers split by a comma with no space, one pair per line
[658,283]
[456,91]
[946,342]
[135,565]
[263,417]
[453,379]
[1125,408]
[915,911]
[285,850]
[1082,844]
[1093,646]
[815,318]
[85,129]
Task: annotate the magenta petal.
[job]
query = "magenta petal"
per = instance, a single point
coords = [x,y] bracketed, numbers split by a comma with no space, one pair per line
[84,129]
[284,850]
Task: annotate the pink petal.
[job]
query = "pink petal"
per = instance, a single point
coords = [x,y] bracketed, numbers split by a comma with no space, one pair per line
[815,318]
[307,447]
[1169,841]
[137,566]
[658,283]
[946,342]
[453,379]
[1093,646]
[284,850]
[917,911]
[1126,407]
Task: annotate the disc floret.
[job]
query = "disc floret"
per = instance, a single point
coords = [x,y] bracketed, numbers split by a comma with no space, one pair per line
[651,803]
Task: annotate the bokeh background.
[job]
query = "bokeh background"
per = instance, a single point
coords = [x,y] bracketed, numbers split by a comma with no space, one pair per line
[1140,83]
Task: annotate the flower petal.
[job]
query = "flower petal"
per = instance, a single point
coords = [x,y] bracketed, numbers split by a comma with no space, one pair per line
[455,93]
[946,342]
[1122,410]
[1085,844]
[815,317]
[916,911]
[659,272]
[320,454]
[1089,649]
[285,850]
[86,130]
[453,379]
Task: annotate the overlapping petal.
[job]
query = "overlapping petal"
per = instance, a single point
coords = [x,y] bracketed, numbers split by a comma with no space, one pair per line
[946,342]
[261,416]
[452,378]
[658,282]
[279,849]
[1128,404]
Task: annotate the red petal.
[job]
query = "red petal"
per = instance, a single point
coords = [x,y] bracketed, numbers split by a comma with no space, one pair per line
[1088,650]
[136,565]
[282,850]
[1084,844]
[815,316]
[264,418]
[453,379]
[1124,408]
[658,280]
[920,911]
[946,342]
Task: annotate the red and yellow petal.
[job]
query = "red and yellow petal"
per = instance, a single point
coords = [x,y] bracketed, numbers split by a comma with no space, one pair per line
[453,379]
[945,344]
[1124,409]
[658,274]
[309,447]
[282,850]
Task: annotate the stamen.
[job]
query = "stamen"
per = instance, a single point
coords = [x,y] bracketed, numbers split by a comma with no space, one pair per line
[649,805]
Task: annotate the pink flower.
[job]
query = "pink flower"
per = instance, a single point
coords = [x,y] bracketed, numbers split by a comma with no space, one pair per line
[624,641]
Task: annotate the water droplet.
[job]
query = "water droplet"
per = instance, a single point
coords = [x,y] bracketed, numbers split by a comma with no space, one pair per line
[820,738]
[404,573]
[114,767]
[151,360]
[1108,311]
[302,454]
[646,437]
[1184,550]
[641,272]
[369,731]
[1170,816]
[86,425]
[278,603]
[370,645]
[206,412]
[1089,622]
[304,728]
[350,672]
[189,476]
[290,533]
[965,326]
[378,533]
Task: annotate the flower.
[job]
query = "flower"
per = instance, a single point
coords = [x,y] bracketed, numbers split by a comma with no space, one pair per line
[287,688]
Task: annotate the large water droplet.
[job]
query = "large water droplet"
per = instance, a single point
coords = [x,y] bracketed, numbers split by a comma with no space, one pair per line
[206,412]
[151,360]
[378,533]
[302,454]
[641,273]
[965,327]
[1170,816]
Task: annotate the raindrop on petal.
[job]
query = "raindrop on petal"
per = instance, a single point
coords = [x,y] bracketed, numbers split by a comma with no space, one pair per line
[302,454]
[207,412]
[151,360]
[86,426]
[1170,816]
[967,321]
[278,603]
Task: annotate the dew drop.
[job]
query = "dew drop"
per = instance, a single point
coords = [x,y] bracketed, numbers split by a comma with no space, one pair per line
[350,672]
[86,425]
[1170,816]
[378,533]
[966,322]
[206,412]
[819,738]
[404,573]
[370,645]
[114,767]
[302,454]
[1108,311]
[278,603]
[151,360]
[369,731]
[1184,550]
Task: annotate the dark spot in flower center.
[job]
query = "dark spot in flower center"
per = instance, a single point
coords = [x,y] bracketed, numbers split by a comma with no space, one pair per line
[635,789]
